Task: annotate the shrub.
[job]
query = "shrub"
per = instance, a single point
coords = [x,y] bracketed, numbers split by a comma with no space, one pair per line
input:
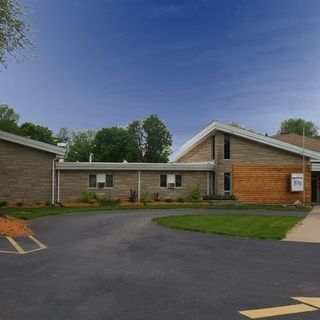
[92,201]
[88,196]
[220,197]
[195,194]
[156,196]
[133,196]
[146,198]
[47,203]
[169,200]
[3,203]
[107,201]
[19,204]
[180,199]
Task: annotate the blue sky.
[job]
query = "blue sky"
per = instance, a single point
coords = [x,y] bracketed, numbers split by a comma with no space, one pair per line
[100,63]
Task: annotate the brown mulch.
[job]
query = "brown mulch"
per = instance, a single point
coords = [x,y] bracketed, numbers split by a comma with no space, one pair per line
[13,227]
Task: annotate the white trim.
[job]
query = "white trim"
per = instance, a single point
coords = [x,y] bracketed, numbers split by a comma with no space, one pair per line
[205,166]
[218,126]
[32,143]
[139,186]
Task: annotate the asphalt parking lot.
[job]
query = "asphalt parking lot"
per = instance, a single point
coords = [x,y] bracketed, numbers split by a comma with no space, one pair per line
[120,265]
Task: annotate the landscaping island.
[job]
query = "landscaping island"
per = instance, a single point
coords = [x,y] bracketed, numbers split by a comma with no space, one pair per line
[251,226]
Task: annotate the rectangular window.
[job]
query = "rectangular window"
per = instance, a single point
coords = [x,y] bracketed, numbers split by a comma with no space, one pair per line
[163,180]
[227,146]
[227,183]
[109,181]
[213,147]
[178,180]
[92,181]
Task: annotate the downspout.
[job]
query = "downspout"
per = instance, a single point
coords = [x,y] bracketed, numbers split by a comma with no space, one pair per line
[208,183]
[139,186]
[53,180]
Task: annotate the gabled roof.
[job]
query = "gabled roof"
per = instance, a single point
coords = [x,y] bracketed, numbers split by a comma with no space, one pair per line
[218,126]
[309,143]
[143,166]
[32,143]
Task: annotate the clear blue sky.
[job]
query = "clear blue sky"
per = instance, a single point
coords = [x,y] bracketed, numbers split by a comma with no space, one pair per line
[100,63]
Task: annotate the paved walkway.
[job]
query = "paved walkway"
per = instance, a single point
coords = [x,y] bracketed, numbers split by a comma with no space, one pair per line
[308,230]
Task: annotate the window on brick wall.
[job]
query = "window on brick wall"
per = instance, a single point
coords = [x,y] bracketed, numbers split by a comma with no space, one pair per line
[178,180]
[92,181]
[109,181]
[163,180]
[213,147]
[227,152]
[227,183]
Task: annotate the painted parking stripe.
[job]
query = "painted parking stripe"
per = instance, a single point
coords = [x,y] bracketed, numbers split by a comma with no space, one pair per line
[39,243]
[312,301]
[16,245]
[277,311]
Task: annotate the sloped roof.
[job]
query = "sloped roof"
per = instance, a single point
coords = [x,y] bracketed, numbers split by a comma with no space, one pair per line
[219,126]
[32,143]
[309,143]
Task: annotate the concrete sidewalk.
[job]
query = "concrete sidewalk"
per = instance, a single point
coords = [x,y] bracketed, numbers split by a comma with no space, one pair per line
[308,230]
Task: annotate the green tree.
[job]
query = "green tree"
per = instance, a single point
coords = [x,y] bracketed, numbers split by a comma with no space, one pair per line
[37,132]
[8,119]
[158,140]
[153,138]
[14,30]
[63,135]
[296,125]
[80,145]
[115,145]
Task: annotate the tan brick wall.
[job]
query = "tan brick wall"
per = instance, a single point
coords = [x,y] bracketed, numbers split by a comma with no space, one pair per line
[202,152]
[268,183]
[25,173]
[150,182]
[74,183]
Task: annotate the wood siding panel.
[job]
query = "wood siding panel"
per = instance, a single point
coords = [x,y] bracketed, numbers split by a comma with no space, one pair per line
[268,183]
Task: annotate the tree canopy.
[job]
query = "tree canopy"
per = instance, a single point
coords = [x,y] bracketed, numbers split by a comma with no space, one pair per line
[296,125]
[14,30]
[115,145]
[8,119]
[79,144]
[37,132]
[153,138]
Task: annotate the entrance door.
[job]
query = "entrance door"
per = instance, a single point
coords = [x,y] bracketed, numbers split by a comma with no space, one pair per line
[314,189]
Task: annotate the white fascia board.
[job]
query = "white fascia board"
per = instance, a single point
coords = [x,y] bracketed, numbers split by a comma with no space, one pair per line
[32,143]
[205,166]
[218,126]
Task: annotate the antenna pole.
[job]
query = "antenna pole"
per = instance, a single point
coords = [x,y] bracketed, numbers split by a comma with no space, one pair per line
[303,162]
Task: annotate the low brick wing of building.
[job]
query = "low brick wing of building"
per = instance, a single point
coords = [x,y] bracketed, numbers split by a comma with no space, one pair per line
[26,169]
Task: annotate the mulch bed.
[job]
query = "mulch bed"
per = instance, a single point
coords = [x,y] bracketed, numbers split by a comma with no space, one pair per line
[13,227]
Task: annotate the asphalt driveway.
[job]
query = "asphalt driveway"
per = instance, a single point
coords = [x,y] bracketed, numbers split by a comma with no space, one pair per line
[120,265]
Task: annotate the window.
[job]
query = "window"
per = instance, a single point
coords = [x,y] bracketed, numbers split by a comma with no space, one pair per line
[213,147]
[163,180]
[178,180]
[109,181]
[92,181]
[227,146]
[227,183]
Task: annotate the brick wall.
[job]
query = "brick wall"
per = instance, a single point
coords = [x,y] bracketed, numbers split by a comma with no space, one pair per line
[25,173]
[268,183]
[202,152]
[74,183]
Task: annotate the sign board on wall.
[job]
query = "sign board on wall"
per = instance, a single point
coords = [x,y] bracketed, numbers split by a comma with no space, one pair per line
[297,182]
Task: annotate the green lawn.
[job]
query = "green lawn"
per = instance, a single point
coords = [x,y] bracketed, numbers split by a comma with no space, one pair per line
[241,225]
[30,213]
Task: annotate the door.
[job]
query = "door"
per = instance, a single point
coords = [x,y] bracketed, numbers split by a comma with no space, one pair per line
[314,189]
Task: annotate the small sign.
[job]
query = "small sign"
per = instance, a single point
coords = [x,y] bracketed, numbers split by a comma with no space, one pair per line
[297,182]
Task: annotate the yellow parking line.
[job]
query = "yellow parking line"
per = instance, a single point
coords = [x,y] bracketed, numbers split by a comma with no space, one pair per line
[312,301]
[13,252]
[15,244]
[278,311]
[40,244]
